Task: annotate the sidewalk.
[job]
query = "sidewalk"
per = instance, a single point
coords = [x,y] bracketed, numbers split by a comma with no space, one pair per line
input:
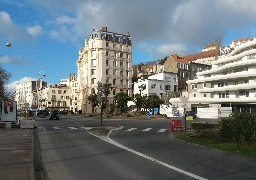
[16,153]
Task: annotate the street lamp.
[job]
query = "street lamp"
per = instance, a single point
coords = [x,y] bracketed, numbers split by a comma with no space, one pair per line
[40,74]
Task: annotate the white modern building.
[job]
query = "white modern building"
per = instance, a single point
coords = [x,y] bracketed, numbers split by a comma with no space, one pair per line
[105,57]
[231,82]
[158,84]
[26,94]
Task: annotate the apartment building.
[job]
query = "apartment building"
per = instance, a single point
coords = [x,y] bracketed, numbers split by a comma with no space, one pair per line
[55,97]
[231,82]
[158,84]
[26,94]
[106,57]
[72,83]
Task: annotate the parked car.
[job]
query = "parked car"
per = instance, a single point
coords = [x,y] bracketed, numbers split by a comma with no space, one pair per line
[54,115]
[191,113]
[42,113]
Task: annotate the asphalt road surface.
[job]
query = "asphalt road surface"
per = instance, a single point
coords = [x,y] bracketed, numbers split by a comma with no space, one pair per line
[139,149]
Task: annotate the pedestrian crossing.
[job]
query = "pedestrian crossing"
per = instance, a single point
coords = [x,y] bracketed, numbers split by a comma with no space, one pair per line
[88,128]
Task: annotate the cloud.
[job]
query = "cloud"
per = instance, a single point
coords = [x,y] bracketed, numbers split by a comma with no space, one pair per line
[34,30]
[11,30]
[12,86]
[13,60]
[186,23]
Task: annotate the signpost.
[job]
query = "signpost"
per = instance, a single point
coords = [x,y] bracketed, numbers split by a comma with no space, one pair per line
[184,101]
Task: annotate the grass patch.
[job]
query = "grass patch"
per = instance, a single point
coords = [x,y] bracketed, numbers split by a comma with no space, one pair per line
[240,149]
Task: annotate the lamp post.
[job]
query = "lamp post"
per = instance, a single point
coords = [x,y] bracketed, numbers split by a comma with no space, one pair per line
[40,74]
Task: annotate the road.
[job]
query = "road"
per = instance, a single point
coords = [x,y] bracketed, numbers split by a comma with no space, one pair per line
[140,149]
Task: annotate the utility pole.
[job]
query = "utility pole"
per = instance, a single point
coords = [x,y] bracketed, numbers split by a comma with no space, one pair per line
[99,93]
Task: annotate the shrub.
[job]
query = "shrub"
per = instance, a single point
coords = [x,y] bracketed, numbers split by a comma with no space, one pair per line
[239,127]
[207,130]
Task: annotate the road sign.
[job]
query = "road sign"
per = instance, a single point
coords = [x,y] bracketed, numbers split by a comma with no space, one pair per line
[147,115]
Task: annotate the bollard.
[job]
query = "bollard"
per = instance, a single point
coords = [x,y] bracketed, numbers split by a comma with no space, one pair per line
[171,126]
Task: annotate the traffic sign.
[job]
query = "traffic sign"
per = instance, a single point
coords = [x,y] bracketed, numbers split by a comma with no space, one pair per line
[147,115]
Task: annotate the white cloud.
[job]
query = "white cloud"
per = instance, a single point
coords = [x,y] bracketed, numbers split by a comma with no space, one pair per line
[13,60]
[12,86]
[34,30]
[11,29]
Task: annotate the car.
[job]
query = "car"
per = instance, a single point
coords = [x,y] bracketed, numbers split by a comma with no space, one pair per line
[42,113]
[191,113]
[54,115]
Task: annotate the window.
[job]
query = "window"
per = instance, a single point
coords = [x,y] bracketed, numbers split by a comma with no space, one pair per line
[93,72]
[106,53]
[61,97]
[204,84]
[161,87]
[153,86]
[67,97]
[114,81]
[114,72]
[114,92]
[246,81]
[93,80]
[64,103]
[107,72]
[204,95]
[53,91]
[107,44]
[167,87]
[114,63]
[59,91]
[65,92]
[106,62]
[194,95]
[53,97]
[121,73]
[194,86]
[93,62]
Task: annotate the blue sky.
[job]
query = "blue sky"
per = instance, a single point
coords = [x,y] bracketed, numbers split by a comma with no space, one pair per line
[46,34]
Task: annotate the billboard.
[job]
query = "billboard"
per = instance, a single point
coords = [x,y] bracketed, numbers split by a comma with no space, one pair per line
[9,111]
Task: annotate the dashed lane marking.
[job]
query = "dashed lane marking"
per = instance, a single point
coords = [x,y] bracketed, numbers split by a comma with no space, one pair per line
[148,129]
[72,128]
[54,127]
[161,130]
[131,129]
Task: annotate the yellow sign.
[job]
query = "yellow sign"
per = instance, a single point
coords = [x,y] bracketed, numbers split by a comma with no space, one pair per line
[189,118]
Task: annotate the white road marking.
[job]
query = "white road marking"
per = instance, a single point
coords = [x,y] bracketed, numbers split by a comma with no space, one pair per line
[41,128]
[87,128]
[162,130]
[131,129]
[111,141]
[148,129]
[54,127]
[72,128]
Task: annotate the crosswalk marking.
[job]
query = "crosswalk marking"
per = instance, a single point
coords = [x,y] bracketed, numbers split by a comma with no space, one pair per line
[148,129]
[162,130]
[88,128]
[131,129]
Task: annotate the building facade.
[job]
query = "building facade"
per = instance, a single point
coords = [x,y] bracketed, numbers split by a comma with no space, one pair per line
[158,84]
[231,82]
[105,57]
[27,94]
[55,97]
[72,83]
